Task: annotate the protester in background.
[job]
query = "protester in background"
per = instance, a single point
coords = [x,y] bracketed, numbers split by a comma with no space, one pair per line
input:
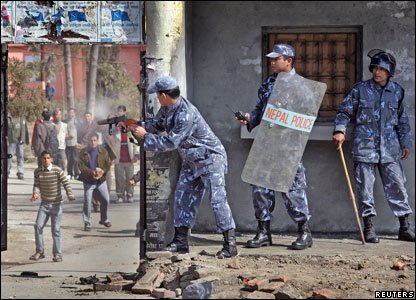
[49,91]
[45,134]
[71,150]
[88,127]
[17,137]
[62,132]
[37,122]
[123,164]
[47,186]
[382,137]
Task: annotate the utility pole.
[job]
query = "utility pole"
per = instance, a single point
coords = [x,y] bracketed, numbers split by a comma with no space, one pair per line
[164,48]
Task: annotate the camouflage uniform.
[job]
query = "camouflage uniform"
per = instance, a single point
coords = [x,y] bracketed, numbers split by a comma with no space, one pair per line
[204,162]
[295,200]
[381,130]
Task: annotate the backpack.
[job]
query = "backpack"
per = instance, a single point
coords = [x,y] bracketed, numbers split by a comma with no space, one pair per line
[51,141]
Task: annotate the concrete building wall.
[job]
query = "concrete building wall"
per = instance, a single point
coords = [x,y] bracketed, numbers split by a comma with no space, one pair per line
[226,67]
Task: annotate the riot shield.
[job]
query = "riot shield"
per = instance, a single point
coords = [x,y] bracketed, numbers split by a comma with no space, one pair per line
[283,132]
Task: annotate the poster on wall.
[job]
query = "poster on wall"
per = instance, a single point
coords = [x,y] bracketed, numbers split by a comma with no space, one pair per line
[80,21]
[31,22]
[72,22]
[158,193]
[121,22]
[7,13]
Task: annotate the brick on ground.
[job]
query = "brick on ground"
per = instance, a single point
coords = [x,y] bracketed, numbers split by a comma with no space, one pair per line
[260,295]
[114,277]
[158,254]
[256,284]
[118,286]
[151,280]
[325,294]
[163,293]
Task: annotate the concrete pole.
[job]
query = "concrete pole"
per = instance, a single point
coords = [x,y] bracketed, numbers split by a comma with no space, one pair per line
[165,42]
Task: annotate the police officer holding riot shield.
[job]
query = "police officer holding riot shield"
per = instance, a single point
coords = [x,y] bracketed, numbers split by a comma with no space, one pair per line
[381,138]
[282,60]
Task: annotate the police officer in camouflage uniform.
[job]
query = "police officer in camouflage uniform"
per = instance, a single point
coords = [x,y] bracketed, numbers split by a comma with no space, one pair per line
[296,202]
[204,163]
[381,138]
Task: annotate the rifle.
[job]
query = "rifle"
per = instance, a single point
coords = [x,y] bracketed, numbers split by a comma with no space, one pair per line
[126,124]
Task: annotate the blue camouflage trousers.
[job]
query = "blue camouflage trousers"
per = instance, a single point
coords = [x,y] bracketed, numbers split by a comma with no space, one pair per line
[193,182]
[393,180]
[295,200]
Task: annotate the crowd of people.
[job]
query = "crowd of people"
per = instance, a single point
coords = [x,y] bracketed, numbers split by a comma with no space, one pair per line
[381,139]
[72,149]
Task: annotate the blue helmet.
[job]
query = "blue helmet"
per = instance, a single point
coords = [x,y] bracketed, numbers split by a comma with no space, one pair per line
[382,59]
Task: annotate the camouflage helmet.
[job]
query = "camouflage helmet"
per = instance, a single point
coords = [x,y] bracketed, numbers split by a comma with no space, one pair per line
[164,83]
[282,50]
[382,59]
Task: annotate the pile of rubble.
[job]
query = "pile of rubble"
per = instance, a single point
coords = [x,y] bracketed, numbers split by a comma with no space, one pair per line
[168,276]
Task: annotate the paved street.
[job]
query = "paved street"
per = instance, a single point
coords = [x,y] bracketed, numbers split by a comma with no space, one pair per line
[116,249]
[100,251]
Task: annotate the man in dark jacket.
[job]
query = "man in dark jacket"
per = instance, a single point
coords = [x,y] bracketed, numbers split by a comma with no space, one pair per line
[42,131]
[94,163]
[17,137]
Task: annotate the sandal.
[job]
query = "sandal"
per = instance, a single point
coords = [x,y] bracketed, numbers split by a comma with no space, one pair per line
[57,258]
[106,223]
[37,256]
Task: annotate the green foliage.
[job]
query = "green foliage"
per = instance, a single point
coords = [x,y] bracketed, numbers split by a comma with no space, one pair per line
[114,83]
[49,66]
[23,100]
[112,80]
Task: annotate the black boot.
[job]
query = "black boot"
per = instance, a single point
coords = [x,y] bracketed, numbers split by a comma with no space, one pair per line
[405,234]
[370,235]
[229,248]
[180,241]
[263,236]
[304,239]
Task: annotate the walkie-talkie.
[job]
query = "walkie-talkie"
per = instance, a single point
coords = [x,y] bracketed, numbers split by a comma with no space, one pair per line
[238,114]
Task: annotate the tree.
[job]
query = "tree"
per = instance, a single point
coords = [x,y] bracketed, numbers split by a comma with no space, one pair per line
[92,77]
[113,85]
[46,66]
[165,29]
[68,75]
[22,100]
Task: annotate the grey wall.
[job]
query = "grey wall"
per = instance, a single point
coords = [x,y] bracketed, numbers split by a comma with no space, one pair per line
[225,62]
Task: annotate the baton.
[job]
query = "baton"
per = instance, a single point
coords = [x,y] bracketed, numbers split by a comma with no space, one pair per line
[341,152]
